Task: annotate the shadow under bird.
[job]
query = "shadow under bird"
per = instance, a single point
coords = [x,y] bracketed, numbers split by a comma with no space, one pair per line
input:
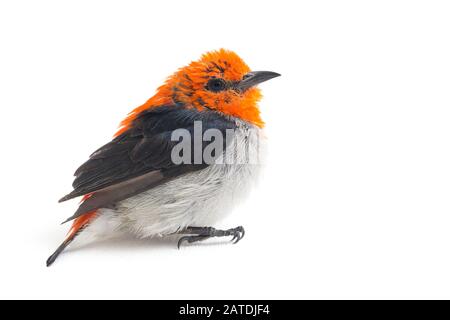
[132,185]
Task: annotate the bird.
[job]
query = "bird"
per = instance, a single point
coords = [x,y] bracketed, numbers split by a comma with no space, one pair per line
[137,184]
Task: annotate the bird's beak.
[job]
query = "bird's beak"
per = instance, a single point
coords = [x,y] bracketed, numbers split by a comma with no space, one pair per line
[254,78]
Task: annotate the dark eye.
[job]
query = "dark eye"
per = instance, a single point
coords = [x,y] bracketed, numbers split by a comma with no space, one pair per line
[216,85]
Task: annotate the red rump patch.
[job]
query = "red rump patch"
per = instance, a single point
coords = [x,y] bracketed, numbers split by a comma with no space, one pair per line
[81,221]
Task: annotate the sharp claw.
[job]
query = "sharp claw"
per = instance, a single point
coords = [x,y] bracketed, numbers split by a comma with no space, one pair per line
[235,236]
[242,231]
[238,234]
[181,241]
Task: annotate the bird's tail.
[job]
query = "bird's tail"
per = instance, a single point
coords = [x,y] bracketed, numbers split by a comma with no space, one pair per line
[77,227]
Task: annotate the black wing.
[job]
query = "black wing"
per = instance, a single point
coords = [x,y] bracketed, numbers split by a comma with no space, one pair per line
[140,158]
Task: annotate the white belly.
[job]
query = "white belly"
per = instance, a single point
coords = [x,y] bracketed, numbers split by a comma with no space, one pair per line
[199,198]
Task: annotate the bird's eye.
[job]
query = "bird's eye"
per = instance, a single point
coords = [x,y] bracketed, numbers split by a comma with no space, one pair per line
[216,85]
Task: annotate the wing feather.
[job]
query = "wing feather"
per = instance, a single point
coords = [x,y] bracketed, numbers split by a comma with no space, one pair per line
[145,147]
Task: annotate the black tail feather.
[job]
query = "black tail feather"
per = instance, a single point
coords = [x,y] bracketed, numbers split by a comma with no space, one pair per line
[62,246]
[58,251]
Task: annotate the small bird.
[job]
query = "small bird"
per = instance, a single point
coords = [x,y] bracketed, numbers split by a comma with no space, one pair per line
[136,183]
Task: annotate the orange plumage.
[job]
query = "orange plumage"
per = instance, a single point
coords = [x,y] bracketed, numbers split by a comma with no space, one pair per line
[187,86]
[80,222]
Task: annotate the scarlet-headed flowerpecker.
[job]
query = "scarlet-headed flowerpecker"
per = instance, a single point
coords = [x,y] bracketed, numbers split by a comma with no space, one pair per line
[179,162]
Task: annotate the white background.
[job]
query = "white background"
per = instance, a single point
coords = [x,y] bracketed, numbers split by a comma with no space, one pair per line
[355,199]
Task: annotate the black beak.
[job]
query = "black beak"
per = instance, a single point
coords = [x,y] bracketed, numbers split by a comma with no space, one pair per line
[254,78]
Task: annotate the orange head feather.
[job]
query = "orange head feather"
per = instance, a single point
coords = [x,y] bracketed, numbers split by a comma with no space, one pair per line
[209,83]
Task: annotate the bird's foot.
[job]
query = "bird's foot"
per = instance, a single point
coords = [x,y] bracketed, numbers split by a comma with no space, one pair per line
[237,233]
[203,233]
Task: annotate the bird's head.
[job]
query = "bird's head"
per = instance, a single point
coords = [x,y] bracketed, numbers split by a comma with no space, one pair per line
[221,81]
